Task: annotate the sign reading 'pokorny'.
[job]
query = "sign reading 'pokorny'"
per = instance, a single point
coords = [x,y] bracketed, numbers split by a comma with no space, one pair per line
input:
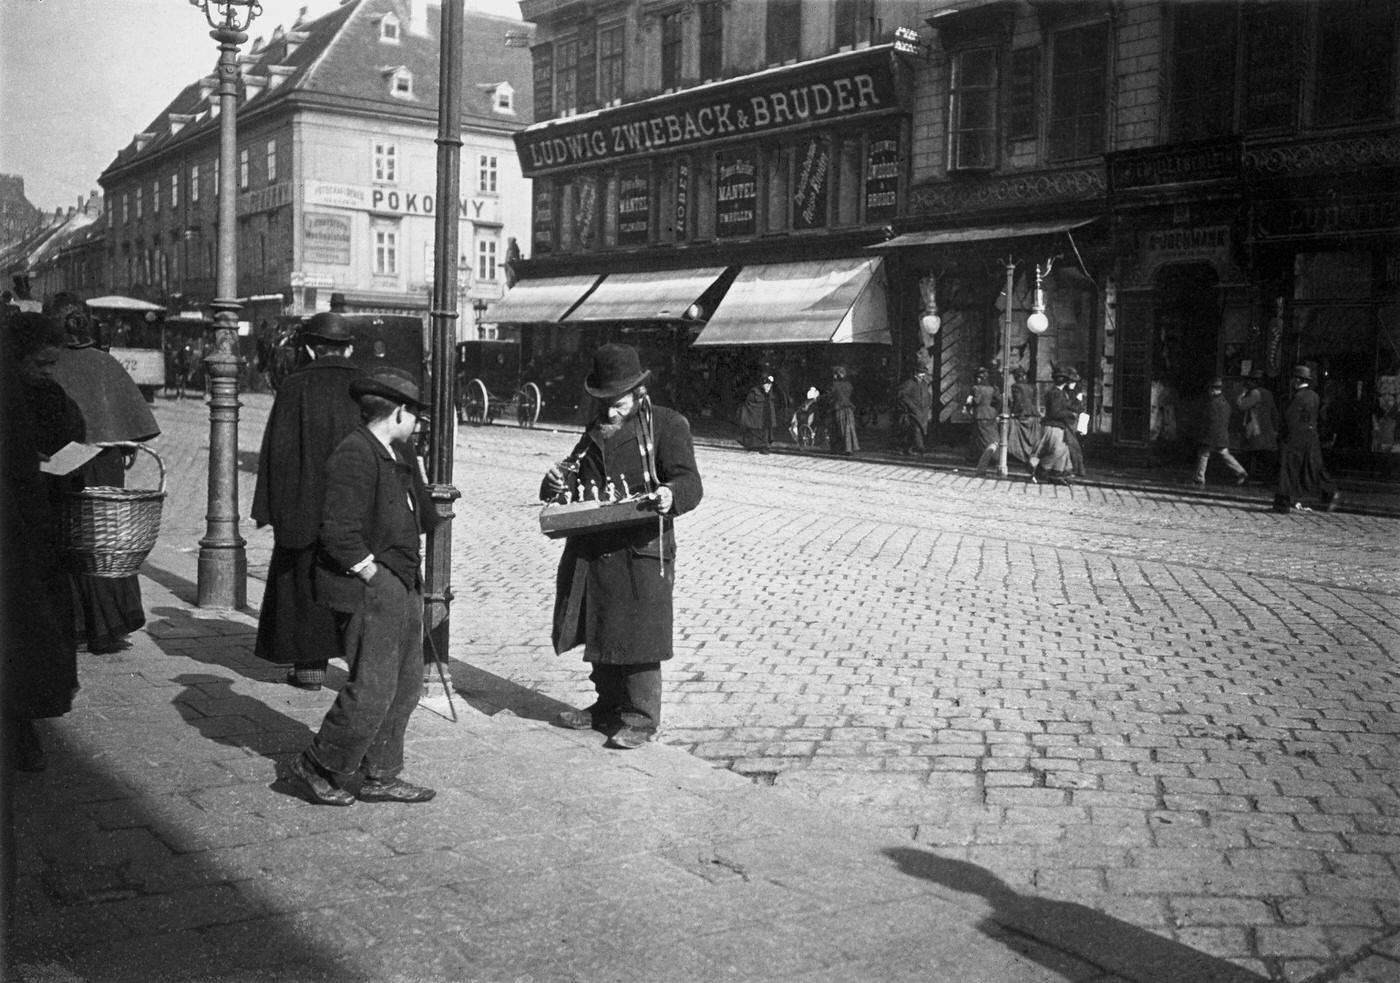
[824,91]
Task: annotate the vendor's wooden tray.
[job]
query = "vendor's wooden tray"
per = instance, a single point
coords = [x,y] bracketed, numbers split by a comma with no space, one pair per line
[557,521]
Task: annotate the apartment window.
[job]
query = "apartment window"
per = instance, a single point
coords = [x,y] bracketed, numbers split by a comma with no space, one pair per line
[544,82]
[155,197]
[846,14]
[389,29]
[175,190]
[401,84]
[973,111]
[610,65]
[126,209]
[386,251]
[1078,92]
[566,78]
[486,259]
[486,174]
[711,42]
[1203,71]
[504,98]
[138,204]
[671,50]
[386,163]
[1355,62]
[783,31]
[271,161]
[243,169]
[194,182]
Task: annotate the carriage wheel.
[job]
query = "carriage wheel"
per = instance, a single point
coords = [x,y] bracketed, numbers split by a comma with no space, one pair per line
[475,402]
[527,405]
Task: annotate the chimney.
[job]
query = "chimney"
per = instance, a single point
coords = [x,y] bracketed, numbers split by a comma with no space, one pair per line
[301,18]
[418,18]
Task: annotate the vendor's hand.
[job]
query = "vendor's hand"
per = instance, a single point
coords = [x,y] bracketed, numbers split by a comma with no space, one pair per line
[663,499]
[368,571]
[554,480]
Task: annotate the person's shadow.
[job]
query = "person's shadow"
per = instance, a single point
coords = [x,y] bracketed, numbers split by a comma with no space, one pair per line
[209,705]
[1076,930]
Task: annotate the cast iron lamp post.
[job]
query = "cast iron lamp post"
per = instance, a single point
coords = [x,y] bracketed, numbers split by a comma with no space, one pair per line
[437,593]
[223,562]
[1036,324]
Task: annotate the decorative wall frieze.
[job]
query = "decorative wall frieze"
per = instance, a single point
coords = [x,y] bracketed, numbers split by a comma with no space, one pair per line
[962,195]
[1341,153]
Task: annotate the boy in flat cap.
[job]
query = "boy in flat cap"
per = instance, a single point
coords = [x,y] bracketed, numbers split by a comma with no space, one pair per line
[377,508]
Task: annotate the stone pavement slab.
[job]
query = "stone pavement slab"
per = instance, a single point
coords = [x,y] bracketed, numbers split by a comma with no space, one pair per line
[160,845]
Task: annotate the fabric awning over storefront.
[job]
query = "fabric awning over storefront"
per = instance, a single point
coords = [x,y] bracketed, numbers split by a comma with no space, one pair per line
[839,301]
[948,237]
[646,296]
[547,299]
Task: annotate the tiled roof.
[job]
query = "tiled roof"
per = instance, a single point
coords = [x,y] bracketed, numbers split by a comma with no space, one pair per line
[338,58]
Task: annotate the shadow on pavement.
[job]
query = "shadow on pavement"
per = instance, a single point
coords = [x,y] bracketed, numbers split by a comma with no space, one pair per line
[208,704]
[116,879]
[490,694]
[1090,935]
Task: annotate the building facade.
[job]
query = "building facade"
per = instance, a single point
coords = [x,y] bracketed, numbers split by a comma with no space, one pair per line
[337,122]
[1186,189]
[707,179]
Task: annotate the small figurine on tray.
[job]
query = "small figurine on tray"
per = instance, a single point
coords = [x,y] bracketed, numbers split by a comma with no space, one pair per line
[615,498]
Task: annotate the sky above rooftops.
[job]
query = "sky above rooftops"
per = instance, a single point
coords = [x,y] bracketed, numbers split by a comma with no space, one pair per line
[78,78]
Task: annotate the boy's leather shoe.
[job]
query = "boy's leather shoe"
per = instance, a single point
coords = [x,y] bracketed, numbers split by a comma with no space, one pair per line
[394,790]
[589,717]
[629,737]
[311,784]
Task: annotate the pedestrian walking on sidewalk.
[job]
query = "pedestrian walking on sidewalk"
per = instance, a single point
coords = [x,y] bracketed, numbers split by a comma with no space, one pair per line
[840,403]
[915,411]
[1301,473]
[1261,425]
[758,417]
[312,413]
[41,664]
[376,510]
[614,587]
[1025,418]
[1052,458]
[1216,437]
[983,403]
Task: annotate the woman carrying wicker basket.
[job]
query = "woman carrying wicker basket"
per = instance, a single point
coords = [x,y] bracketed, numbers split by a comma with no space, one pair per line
[114,413]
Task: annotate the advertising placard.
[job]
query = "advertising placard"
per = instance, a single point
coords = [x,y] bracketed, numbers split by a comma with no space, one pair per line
[633,208]
[325,238]
[810,183]
[736,193]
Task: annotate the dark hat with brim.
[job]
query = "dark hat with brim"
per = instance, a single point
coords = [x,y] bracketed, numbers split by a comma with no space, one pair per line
[1303,372]
[328,326]
[1216,383]
[616,370]
[393,384]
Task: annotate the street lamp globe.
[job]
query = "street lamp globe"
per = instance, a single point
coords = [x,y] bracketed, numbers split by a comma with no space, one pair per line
[1037,323]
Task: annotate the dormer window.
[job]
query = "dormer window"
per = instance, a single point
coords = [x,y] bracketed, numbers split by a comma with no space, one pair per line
[400,83]
[389,28]
[503,100]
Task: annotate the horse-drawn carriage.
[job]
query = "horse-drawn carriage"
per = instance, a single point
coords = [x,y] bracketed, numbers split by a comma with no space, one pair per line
[490,386]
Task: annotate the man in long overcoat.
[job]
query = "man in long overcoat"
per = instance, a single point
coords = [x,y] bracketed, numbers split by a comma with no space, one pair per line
[915,410]
[613,589]
[312,414]
[1301,473]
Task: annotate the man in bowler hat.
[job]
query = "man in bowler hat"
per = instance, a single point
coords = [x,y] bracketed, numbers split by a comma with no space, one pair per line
[613,589]
[376,510]
[312,414]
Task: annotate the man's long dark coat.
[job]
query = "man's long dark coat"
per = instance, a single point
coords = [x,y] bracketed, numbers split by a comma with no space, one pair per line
[611,596]
[312,414]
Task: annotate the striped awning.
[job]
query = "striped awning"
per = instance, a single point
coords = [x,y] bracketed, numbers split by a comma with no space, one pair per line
[544,300]
[662,296]
[837,301]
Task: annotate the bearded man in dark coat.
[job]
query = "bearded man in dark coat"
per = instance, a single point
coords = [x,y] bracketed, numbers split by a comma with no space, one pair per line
[312,414]
[613,590]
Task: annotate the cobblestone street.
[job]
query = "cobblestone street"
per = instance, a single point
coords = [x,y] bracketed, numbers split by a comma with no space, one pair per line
[1177,711]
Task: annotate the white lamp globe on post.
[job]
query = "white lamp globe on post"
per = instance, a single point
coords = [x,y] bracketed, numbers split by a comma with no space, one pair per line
[1038,323]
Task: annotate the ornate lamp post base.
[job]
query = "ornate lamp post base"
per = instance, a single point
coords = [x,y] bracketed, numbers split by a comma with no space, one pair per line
[223,561]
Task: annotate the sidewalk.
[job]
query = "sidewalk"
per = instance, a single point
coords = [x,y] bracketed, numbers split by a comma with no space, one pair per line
[1360,494]
[159,846]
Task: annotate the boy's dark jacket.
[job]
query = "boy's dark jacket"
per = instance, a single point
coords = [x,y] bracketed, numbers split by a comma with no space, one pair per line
[367,512]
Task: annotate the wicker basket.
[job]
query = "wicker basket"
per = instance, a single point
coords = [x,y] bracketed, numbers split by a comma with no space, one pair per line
[108,532]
